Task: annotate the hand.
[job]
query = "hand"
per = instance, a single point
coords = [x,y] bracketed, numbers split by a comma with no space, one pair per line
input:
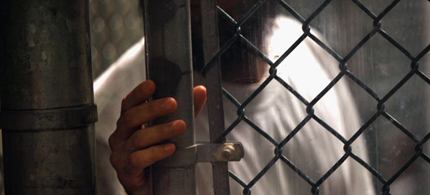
[135,146]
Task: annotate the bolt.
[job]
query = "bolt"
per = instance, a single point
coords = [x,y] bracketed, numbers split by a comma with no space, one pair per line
[228,152]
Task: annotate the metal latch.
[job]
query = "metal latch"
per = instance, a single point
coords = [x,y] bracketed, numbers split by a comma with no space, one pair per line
[222,152]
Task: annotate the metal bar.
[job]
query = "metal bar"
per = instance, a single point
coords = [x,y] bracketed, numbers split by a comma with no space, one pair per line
[168,47]
[215,100]
[207,152]
[49,119]
[47,98]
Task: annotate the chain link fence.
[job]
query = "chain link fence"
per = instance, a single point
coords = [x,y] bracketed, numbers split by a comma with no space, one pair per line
[382,50]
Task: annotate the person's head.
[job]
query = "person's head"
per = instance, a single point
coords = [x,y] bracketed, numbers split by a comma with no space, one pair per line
[239,63]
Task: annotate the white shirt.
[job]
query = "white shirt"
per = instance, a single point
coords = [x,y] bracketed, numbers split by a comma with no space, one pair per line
[275,110]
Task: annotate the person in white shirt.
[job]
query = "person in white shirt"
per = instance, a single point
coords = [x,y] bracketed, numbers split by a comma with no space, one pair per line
[314,150]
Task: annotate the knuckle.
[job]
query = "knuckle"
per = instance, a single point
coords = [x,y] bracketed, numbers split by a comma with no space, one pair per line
[111,141]
[129,118]
[123,102]
[133,160]
[124,121]
[156,154]
[135,141]
[120,122]
[114,161]
[124,106]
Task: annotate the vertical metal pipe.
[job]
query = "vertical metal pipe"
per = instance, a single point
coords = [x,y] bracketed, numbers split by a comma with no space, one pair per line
[47,112]
[214,101]
[168,46]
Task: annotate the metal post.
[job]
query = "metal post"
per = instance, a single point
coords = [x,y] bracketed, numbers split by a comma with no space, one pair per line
[168,46]
[47,112]
[214,101]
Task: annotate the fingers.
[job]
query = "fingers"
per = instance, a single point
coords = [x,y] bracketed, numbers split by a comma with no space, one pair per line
[142,150]
[136,146]
[133,118]
[200,96]
[141,159]
[138,95]
[131,172]
[144,139]
[150,136]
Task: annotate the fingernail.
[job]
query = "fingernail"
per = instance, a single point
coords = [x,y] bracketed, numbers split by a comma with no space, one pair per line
[177,126]
[169,147]
[168,104]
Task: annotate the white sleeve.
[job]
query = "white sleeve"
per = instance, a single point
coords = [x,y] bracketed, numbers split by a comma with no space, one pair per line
[109,89]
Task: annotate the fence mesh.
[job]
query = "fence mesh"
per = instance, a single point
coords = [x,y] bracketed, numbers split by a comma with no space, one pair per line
[410,67]
[117,24]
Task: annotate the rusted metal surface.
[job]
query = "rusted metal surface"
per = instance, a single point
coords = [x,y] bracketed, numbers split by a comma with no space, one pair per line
[47,98]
